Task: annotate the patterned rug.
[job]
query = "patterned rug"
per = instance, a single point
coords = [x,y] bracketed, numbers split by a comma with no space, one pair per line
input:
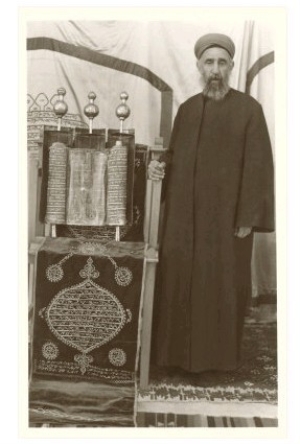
[250,391]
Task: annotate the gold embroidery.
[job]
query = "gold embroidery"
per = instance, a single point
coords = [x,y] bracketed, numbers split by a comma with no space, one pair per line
[86,316]
[50,351]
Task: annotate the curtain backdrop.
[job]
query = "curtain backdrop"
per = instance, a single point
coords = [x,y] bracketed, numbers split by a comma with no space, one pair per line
[155,64]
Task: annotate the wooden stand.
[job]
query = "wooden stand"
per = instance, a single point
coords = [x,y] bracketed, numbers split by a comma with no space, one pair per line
[153,196]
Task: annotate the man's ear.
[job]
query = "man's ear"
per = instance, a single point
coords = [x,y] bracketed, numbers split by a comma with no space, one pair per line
[232,64]
[198,64]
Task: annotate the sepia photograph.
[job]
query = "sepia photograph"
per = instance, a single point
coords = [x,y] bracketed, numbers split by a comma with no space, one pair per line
[152,182]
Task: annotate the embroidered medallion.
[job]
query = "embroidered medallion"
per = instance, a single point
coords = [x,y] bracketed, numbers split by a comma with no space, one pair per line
[117,357]
[50,351]
[123,276]
[54,273]
[86,316]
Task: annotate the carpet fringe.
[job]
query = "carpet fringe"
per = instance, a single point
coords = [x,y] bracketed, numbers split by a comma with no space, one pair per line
[238,409]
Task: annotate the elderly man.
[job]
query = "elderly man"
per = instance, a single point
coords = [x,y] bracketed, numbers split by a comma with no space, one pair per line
[219,191]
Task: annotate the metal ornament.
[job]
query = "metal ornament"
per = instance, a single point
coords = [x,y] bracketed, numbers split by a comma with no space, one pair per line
[60,107]
[123,110]
[91,110]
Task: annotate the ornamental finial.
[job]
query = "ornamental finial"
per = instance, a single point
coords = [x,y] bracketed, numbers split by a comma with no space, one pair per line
[60,107]
[123,110]
[91,110]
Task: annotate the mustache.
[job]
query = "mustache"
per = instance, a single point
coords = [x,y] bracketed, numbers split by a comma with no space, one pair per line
[215,77]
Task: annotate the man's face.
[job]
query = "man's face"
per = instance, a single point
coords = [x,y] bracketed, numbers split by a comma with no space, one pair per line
[215,66]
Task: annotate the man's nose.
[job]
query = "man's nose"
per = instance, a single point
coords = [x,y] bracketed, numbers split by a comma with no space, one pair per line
[215,68]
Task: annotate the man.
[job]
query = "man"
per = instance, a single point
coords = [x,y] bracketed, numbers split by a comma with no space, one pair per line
[219,192]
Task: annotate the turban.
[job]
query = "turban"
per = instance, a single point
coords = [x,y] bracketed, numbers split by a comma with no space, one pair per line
[213,40]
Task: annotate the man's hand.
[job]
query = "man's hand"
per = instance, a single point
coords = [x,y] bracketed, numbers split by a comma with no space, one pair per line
[242,232]
[156,170]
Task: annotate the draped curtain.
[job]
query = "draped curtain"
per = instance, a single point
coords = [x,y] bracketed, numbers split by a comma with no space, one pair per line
[155,64]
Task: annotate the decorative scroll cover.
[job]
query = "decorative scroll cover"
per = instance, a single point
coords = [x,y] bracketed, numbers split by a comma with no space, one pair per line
[49,138]
[87,187]
[117,185]
[85,335]
[127,139]
[57,184]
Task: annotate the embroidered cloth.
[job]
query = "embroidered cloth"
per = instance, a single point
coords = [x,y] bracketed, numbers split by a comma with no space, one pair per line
[85,332]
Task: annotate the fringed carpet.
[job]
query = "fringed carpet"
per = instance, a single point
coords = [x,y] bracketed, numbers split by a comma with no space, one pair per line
[246,397]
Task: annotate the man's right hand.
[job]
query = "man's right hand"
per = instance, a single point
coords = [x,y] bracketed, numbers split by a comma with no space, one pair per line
[156,170]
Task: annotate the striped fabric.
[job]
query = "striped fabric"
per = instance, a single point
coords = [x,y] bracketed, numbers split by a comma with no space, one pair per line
[145,419]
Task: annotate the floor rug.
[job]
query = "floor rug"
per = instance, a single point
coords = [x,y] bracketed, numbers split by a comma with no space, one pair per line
[248,392]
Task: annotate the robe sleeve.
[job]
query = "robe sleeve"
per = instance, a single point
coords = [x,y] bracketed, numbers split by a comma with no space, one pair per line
[256,195]
[167,156]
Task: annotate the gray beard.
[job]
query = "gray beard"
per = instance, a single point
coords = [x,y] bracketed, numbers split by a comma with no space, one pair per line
[216,90]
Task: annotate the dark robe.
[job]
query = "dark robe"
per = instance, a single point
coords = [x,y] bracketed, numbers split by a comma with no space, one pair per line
[220,176]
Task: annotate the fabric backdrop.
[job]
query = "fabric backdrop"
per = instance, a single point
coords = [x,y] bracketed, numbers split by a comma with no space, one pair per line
[155,64]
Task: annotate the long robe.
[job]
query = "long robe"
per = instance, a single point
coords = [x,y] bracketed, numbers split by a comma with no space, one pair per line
[220,176]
